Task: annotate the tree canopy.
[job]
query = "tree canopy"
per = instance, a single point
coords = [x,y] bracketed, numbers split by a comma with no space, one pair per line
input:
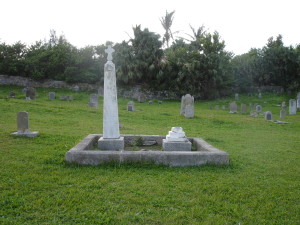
[200,66]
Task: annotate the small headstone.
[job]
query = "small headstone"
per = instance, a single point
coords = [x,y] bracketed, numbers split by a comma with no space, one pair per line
[130,106]
[93,100]
[223,107]
[236,96]
[298,100]
[189,111]
[243,108]
[30,93]
[258,108]
[282,113]
[283,105]
[150,102]
[292,107]
[159,102]
[268,115]
[100,91]
[253,113]
[251,106]
[259,95]
[141,98]
[217,107]
[76,88]
[51,95]
[210,107]
[23,126]
[233,107]
[12,94]
[187,106]
[65,98]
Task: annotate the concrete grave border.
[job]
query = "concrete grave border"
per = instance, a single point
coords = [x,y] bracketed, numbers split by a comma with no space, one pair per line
[83,154]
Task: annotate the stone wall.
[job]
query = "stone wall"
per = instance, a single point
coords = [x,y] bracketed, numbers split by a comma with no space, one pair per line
[126,92]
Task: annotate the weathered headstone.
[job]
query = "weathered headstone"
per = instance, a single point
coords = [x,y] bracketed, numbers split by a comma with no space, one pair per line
[217,107]
[111,139]
[268,115]
[176,141]
[298,100]
[223,107]
[93,100]
[253,113]
[23,126]
[233,107]
[259,95]
[236,96]
[292,107]
[76,88]
[210,107]
[51,95]
[187,106]
[12,94]
[30,93]
[243,108]
[142,98]
[258,108]
[283,104]
[159,102]
[100,91]
[282,113]
[250,106]
[65,98]
[130,106]
[150,102]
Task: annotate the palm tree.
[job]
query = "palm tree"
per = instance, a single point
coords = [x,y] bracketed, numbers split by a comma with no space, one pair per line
[166,22]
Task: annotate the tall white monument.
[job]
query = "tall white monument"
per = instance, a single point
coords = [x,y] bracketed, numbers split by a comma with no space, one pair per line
[111,139]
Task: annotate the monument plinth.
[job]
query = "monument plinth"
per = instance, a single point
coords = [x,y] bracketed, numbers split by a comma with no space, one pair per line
[176,141]
[111,139]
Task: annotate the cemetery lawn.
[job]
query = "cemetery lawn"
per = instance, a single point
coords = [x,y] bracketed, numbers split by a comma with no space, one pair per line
[260,186]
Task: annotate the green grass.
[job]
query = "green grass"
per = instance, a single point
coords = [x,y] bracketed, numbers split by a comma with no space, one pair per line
[260,186]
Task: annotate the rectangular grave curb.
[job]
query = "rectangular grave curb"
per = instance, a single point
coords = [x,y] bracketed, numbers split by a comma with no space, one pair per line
[205,154]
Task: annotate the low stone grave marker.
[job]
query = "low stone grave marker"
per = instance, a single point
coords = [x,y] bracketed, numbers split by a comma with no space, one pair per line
[51,95]
[65,98]
[259,95]
[268,115]
[176,141]
[141,98]
[292,107]
[233,107]
[236,96]
[23,126]
[30,93]
[187,106]
[217,107]
[258,108]
[282,113]
[12,94]
[130,106]
[94,101]
[243,108]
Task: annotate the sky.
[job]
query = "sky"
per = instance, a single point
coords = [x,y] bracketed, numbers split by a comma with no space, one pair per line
[242,24]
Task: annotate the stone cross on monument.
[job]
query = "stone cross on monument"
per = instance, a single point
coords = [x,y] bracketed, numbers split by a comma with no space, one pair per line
[111,139]
[109,52]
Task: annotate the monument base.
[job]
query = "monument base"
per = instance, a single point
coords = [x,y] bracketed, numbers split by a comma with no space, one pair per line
[26,134]
[176,145]
[111,144]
